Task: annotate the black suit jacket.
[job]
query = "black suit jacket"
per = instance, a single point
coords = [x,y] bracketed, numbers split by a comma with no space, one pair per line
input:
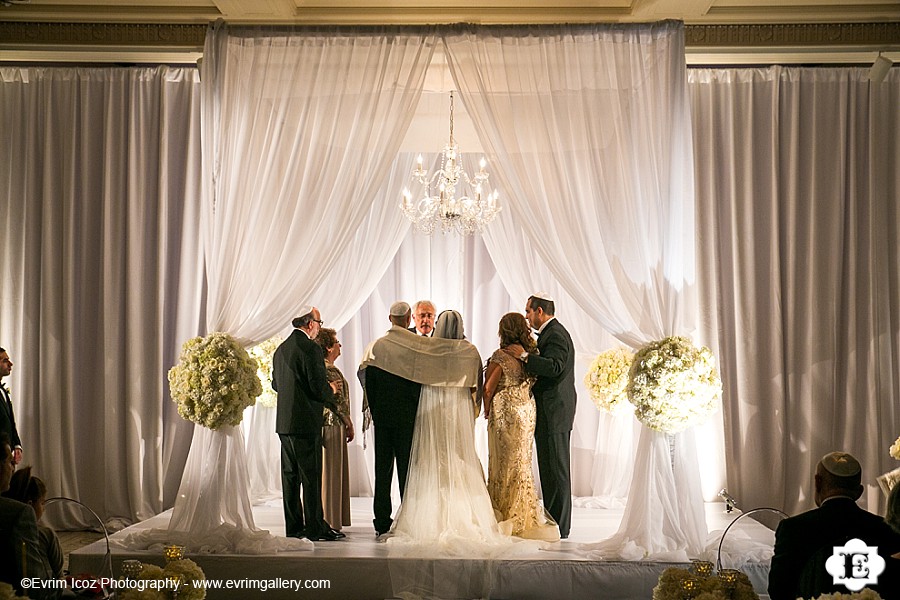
[804,542]
[554,391]
[8,420]
[392,399]
[18,530]
[299,377]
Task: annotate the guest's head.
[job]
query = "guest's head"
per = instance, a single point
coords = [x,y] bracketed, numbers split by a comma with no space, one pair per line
[423,315]
[514,330]
[26,488]
[539,309]
[309,321]
[838,474]
[6,365]
[7,462]
[449,325]
[329,343]
[400,314]
[892,516]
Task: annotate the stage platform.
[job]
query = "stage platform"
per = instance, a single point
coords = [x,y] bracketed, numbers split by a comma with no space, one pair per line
[359,567]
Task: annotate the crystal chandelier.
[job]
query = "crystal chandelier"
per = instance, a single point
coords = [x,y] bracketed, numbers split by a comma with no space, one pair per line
[467,214]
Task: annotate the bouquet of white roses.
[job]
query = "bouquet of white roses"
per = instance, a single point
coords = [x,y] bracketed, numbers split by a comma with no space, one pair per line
[607,378]
[895,449]
[214,381]
[262,353]
[673,384]
[184,575]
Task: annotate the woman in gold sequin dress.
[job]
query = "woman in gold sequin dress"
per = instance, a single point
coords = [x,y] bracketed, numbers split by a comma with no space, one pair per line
[510,410]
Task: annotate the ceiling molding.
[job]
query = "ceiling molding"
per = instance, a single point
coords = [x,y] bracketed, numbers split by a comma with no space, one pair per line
[73,37]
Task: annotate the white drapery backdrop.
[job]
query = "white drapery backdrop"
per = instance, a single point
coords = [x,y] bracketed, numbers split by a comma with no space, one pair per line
[100,426]
[589,130]
[798,180]
[101,274]
[300,129]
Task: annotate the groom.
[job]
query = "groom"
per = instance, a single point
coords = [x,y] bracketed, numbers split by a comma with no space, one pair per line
[554,396]
[393,401]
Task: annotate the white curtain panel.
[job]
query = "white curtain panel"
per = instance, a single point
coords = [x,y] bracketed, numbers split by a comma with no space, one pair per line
[588,130]
[102,276]
[798,174]
[304,126]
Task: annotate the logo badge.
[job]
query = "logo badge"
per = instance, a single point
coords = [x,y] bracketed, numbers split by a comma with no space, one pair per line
[855,565]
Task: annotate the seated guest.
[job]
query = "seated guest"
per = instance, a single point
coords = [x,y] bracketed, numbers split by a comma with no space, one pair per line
[21,554]
[31,490]
[892,516]
[803,543]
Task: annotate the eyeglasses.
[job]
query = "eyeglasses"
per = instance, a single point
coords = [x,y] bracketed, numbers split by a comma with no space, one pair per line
[319,321]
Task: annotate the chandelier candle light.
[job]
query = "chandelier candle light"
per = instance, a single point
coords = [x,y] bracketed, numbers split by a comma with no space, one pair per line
[467,214]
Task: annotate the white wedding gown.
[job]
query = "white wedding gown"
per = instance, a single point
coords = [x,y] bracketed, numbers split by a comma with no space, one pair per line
[446,511]
[446,503]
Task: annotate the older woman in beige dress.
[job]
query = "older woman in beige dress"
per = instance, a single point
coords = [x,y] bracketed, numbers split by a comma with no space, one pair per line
[337,431]
[510,410]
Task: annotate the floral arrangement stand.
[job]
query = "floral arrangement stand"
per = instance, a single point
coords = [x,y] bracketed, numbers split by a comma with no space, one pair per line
[673,385]
[213,383]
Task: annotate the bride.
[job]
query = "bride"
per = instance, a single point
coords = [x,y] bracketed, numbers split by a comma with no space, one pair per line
[446,502]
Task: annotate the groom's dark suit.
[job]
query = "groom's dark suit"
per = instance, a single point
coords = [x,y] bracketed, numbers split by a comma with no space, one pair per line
[554,395]
[299,377]
[393,402]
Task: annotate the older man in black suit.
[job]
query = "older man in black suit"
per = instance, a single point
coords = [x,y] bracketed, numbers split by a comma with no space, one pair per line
[554,396]
[21,553]
[299,377]
[393,401]
[805,542]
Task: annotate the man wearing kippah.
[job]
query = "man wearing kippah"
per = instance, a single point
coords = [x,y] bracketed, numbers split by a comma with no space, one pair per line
[393,401]
[300,379]
[803,543]
[554,396]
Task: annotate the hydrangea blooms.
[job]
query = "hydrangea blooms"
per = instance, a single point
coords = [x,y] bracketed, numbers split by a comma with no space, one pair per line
[607,378]
[214,381]
[673,384]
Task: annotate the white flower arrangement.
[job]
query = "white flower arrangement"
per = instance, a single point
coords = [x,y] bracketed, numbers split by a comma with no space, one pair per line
[263,353]
[673,384]
[676,584]
[895,449]
[607,378]
[159,586]
[214,381]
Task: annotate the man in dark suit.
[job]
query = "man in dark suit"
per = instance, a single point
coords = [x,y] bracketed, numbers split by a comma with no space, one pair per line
[554,396]
[299,377]
[7,417]
[803,543]
[21,553]
[393,401]
[423,314]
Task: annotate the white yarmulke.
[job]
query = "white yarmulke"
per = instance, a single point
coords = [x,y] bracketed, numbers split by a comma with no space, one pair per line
[399,309]
[543,296]
[841,464]
[304,310]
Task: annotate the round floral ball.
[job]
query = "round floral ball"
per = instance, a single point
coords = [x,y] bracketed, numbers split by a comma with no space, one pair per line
[607,378]
[895,449]
[673,384]
[214,381]
[263,353]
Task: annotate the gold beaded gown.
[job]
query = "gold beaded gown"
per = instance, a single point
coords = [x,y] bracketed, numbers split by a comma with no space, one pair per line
[510,438]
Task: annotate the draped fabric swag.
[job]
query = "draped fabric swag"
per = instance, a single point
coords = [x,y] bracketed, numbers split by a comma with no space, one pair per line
[102,279]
